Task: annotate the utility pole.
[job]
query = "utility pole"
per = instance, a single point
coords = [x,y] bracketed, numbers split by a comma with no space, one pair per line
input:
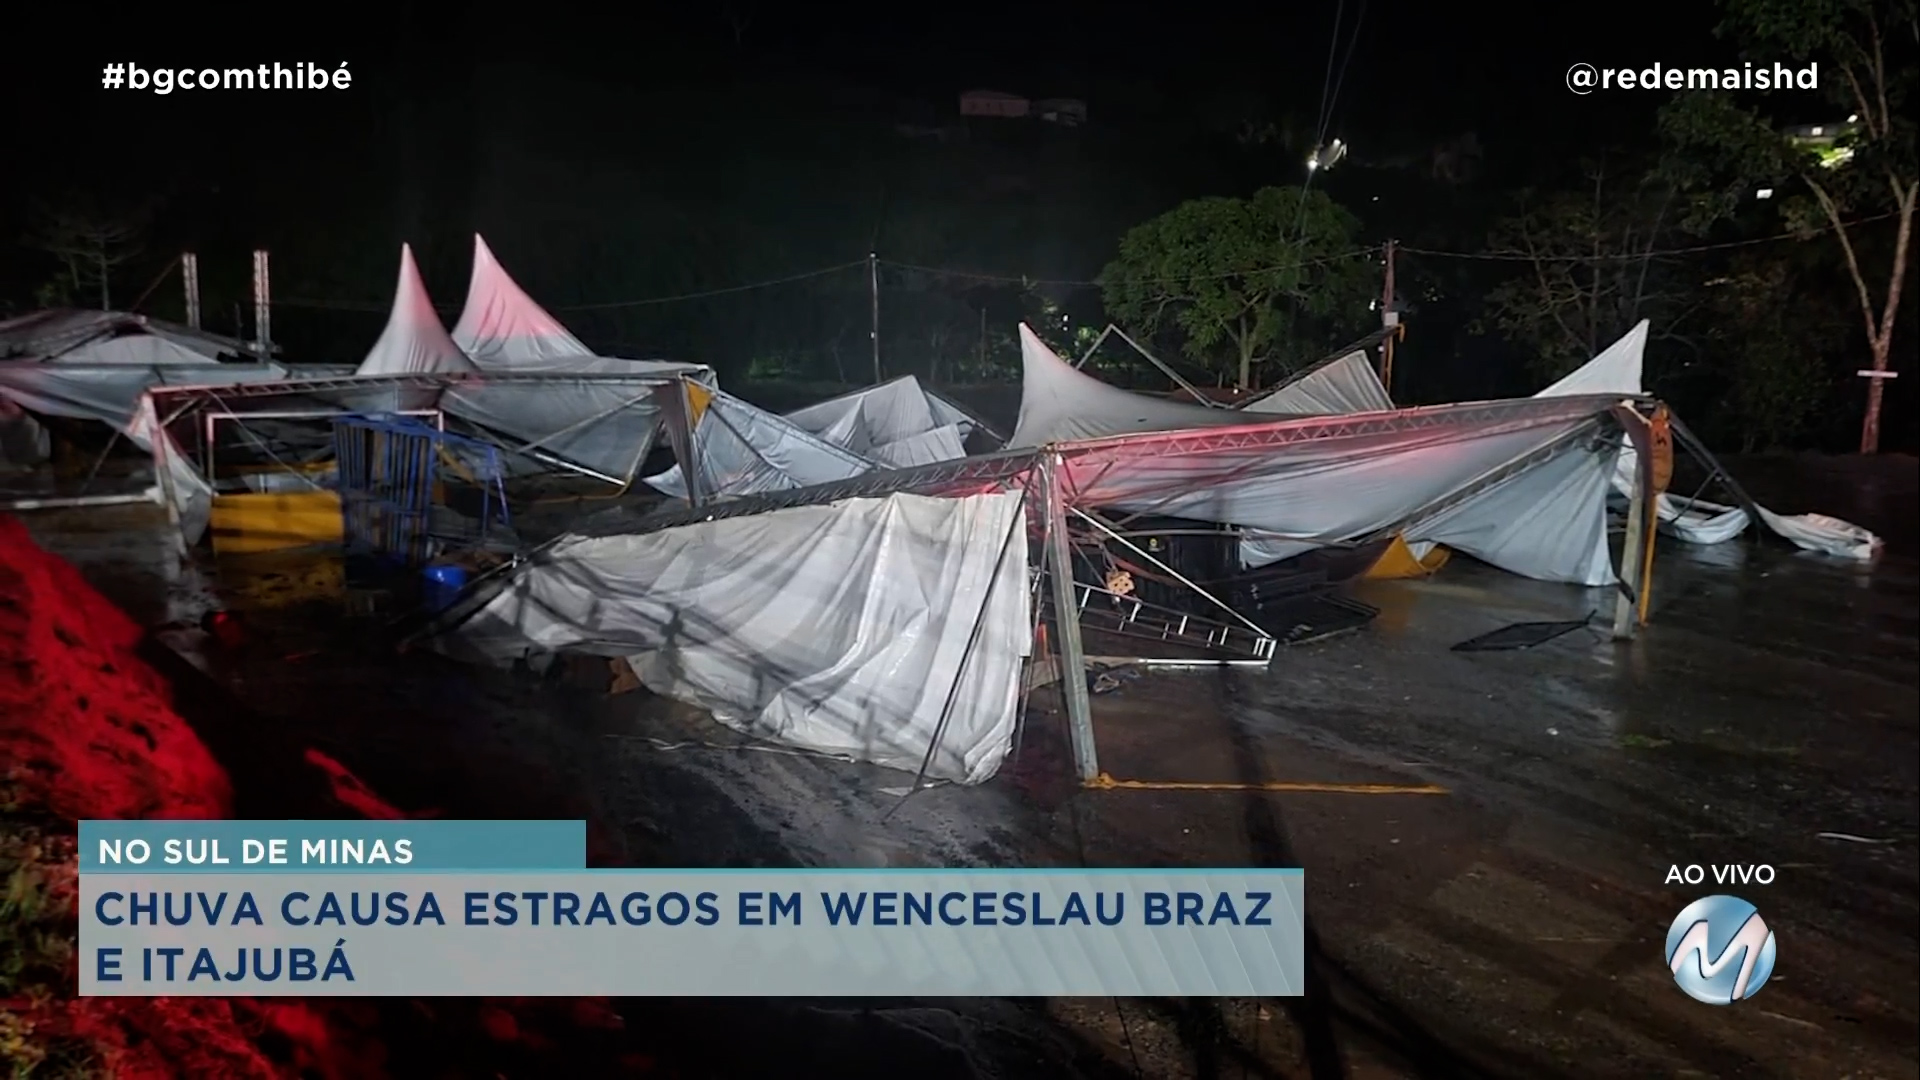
[262,307]
[1388,318]
[983,342]
[873,292]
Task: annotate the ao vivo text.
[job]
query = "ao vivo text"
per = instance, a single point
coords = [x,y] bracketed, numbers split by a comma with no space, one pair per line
[1721,873]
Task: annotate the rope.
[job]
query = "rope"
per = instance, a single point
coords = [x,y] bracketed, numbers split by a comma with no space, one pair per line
[1106,782]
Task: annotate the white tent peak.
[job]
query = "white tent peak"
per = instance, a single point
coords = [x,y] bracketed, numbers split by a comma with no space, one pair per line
[415,341]
[1059,403]
[1617,370]
[501,326]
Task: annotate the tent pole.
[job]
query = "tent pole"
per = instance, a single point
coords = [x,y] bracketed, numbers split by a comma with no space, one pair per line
[1093,348]
[1165,370]
[1066,626]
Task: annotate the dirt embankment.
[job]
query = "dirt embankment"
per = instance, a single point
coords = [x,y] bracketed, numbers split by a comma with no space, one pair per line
[90,729]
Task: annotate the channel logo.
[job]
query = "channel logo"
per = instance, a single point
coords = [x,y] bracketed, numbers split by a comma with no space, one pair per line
[1720,950]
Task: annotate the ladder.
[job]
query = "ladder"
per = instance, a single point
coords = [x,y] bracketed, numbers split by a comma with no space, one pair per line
[1117,613]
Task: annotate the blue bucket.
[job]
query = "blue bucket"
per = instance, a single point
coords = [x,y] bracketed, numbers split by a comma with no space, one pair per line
[444,583]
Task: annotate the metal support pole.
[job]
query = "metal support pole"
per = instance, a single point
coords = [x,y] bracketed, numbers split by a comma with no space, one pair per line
[190,273]
[1066,626]
[1388,317]
[262,306]
[873,290]
[1635,566]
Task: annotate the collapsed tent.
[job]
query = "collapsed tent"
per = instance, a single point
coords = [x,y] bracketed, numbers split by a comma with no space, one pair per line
[1344,384]
[1620,370]
[891,630]
[740,450]
[1510,477]
[743,450]
[606,425]
[94,365]
[1293,485]
[1060,404]
[896,424]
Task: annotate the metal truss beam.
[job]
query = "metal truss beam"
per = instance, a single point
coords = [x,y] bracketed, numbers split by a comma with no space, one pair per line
[1508,415]
[419,381]
[986,470]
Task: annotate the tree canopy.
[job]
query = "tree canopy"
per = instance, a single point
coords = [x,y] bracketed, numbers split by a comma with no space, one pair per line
[1846,174]
[1234,276]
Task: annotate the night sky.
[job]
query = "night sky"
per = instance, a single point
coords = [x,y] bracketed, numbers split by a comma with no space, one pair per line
[611,155]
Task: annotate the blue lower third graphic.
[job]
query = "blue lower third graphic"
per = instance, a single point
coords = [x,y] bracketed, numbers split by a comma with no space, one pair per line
[806,933]
[1720,950]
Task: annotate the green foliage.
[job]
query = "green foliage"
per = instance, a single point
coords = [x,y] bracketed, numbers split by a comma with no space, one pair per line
[1722,149]
[37,942]
[1584,269]
[1766,342]
[1235,275]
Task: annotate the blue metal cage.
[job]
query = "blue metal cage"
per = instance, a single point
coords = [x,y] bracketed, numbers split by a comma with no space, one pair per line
[390,468]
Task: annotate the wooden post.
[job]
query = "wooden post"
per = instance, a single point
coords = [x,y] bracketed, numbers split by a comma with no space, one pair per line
[1066,626]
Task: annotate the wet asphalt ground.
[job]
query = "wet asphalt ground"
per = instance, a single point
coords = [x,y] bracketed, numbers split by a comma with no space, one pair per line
[1511,927]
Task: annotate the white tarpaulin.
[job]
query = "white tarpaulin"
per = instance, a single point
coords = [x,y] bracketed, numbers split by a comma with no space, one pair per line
[1346,385]
[606,424]
[1060,404]
[870,420]
[415,341]
[108,337]
[94,365]
[741,450]
[844,628]
[1293,498]
[1548,522]
[1620,370]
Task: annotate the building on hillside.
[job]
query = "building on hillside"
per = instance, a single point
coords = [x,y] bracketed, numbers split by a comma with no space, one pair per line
[995,103]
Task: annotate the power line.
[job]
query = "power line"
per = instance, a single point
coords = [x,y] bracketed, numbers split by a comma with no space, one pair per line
[1694,249]
[1023,280]
[444,309]
[1012,279]
[728,291]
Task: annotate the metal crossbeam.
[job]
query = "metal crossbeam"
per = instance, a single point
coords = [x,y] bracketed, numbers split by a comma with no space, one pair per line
[1523,412]
[968,473]
[414,381]
[1008,466]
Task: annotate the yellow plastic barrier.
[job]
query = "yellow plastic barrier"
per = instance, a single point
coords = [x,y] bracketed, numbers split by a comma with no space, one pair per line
[251,523]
